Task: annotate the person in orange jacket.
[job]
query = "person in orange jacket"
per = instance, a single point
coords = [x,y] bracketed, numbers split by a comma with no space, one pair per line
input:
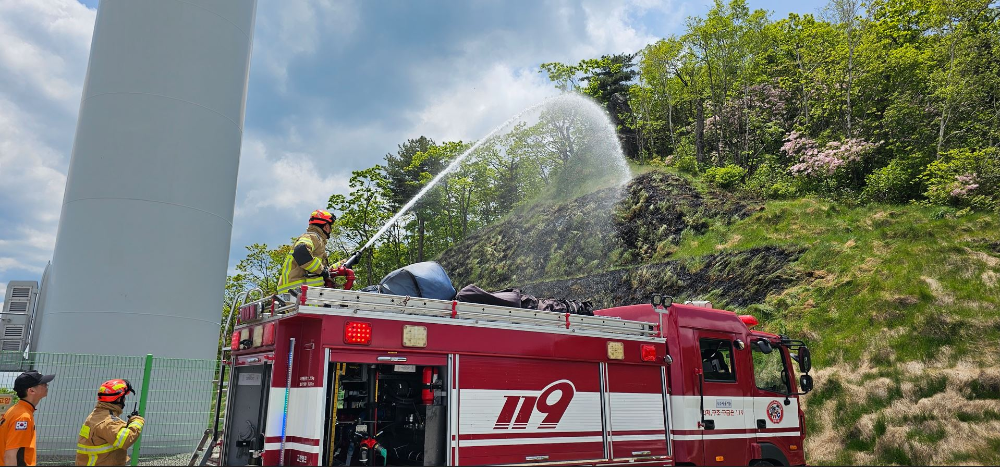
[104,438]
[17,426]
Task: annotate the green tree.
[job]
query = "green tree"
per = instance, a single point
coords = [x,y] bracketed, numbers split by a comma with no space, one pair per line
[404,180]
[360,215]
[261,268]
[846,15]
[564,76]
[607,76]
[730,43]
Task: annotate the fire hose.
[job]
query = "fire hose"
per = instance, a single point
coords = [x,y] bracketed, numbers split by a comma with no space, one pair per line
[344,271]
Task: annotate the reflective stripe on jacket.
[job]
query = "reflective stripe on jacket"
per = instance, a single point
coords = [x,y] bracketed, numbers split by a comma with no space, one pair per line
[104,438]
[294,274]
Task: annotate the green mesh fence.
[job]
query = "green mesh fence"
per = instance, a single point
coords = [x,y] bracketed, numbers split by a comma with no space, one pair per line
[179,401]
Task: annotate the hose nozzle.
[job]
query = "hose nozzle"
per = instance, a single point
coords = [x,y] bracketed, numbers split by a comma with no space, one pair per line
[353,259]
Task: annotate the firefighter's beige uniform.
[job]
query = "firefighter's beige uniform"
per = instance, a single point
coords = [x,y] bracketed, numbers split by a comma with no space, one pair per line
[104,438]
[298,269]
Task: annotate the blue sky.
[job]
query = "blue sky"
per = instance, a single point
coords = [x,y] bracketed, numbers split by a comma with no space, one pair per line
[334,86]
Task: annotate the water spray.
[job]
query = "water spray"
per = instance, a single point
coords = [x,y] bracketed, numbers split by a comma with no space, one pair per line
[451,167]
[568,98]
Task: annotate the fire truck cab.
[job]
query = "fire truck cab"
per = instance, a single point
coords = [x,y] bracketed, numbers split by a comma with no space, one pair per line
[335,377]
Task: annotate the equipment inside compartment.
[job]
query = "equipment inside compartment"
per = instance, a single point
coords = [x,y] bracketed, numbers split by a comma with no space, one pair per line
[385,415]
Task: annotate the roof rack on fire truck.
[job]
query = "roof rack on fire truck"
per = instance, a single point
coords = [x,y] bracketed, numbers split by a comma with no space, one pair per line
[383,303]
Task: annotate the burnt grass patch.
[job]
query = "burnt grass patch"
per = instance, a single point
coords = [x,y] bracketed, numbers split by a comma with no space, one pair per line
[546,240]
[615,229]
[738,279]
[658,207]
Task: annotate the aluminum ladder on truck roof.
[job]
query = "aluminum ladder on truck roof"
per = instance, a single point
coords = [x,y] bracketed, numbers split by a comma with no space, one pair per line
[374,302]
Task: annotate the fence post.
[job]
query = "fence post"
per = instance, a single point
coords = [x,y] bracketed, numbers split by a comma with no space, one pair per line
[143,397]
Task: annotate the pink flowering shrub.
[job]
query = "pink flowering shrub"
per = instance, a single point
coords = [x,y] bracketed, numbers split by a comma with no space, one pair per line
[963,185]
[823,162]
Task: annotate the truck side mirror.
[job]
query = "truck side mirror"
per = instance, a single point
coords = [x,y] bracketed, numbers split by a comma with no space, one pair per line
[805,383]
[764,346]
[805,360]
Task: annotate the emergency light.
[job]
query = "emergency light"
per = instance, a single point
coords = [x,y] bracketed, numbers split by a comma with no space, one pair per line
[616,350]
[356,332]
[258,336]
[648,353]
[268,334]
[749,320]
[414,336]
[234,343]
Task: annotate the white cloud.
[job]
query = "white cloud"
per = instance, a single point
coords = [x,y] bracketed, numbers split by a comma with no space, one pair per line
[492,80]
[45,48]
[470,109]
[294,30]
[32,176]
[281,181]
[42,64]
[28,251]
[611,28]
[8,263]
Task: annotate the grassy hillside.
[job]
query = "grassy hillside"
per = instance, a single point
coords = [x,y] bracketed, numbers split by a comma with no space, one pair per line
[899,303]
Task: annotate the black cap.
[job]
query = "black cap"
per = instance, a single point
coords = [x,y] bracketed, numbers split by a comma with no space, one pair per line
[30,379]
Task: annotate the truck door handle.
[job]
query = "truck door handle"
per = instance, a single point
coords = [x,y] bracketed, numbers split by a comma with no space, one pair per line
[761,424]
[709,424]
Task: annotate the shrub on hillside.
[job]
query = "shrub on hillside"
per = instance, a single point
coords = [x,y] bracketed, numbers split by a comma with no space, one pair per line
[684,157]
[964,177]
[686,163]
[725,177]
[897,182]
[772,181]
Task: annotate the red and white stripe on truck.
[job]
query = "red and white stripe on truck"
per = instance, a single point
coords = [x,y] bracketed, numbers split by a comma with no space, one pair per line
[516,410]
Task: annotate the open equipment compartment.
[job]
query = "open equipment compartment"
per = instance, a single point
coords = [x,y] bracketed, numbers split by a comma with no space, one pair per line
[385,414]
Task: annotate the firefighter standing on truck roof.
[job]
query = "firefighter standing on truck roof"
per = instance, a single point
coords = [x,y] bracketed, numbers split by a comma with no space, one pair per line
[105,438]
[306,264]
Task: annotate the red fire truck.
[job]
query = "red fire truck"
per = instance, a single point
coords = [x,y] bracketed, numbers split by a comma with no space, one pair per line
[339,377]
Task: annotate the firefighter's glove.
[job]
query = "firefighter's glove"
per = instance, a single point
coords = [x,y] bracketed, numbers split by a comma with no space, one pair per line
[325,274]
[136,420]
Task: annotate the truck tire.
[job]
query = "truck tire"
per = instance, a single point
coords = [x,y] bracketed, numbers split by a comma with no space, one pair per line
[772,455]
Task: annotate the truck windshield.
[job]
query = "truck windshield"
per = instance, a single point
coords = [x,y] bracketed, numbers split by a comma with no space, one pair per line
[769,371]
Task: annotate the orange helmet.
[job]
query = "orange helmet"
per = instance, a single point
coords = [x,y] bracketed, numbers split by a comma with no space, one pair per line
[114,389]
[320,217]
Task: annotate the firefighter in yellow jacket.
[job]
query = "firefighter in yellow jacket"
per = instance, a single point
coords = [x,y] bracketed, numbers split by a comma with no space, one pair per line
[104,438]
[306,264]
